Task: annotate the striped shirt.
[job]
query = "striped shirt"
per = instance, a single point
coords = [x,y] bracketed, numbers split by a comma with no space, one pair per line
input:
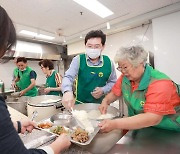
[58,78]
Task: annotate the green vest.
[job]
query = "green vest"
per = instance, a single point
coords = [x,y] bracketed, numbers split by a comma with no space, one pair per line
[136,100]
[90,77]
[15,74]
[25,81]
[51,82]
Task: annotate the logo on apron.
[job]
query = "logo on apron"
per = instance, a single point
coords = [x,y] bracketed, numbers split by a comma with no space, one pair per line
[101,74]
[142,103]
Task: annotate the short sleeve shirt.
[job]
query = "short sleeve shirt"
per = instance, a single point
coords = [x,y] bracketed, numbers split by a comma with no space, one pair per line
[33,75]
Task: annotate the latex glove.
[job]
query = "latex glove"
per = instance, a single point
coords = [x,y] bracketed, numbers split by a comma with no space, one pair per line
[106,126]
[60,144]
[97,92]
[68,100]
[47,90]
[103,107]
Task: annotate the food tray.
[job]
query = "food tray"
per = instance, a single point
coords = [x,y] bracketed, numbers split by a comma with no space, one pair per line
[91,136]
[36,138]
[71,128]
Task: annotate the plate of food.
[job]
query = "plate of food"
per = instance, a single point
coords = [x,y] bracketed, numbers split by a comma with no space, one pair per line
[82,137]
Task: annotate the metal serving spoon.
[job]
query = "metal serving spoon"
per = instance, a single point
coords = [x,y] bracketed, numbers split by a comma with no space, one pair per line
[34,115]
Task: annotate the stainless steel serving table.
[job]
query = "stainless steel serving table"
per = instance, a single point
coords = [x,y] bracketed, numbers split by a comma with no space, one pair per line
[144,141]
[148,141]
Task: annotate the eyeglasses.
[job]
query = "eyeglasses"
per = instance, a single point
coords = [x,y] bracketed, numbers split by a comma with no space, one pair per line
[124,69]
[42,67]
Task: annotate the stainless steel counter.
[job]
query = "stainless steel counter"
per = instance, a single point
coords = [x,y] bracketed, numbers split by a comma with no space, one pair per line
[148,141]
[143,141]
[7,92]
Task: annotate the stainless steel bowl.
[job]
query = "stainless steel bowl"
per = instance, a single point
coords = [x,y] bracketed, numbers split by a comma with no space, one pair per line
[63,119]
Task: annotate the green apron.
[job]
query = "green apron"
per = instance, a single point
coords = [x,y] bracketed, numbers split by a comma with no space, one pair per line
[15,73]
[51,82]
[25,81]
[136,100]
[90,77]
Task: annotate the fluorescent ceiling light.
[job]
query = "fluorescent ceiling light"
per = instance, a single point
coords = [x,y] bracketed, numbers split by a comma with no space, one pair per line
[29,33]
[96,7]
[45,37]
[108,25]
[64,40]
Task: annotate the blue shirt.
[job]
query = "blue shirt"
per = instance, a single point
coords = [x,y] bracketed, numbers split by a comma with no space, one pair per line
[33,75]
[72,72]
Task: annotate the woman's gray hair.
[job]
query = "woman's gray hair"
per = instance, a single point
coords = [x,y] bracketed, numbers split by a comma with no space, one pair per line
[134,54]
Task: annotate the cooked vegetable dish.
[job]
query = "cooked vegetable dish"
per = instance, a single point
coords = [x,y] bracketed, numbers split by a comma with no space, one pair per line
[59,130]
[80,135]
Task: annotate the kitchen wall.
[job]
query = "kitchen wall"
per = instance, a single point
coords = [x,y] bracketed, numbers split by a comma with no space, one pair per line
[129,37]
[125,38]
[162,39]
[166,35]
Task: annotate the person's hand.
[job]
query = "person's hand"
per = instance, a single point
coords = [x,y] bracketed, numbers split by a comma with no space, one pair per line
[47,90]
[22,92]
[106,126]
[63,141]
[13,85]
[103,107]
[97,92]
[68,100]
[26,125]
[60,144]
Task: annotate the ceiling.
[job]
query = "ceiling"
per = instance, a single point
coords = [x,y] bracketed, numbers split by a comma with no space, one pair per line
[62,18]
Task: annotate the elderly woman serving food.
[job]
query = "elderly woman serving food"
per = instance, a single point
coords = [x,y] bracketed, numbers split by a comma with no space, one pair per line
[151,96]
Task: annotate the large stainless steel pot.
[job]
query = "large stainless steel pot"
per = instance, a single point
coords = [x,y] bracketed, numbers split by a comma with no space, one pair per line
[102,142]
[19,103]
[45,110]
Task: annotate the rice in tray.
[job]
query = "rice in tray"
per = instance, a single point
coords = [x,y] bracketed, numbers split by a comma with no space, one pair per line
[96,114]
[82,116]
